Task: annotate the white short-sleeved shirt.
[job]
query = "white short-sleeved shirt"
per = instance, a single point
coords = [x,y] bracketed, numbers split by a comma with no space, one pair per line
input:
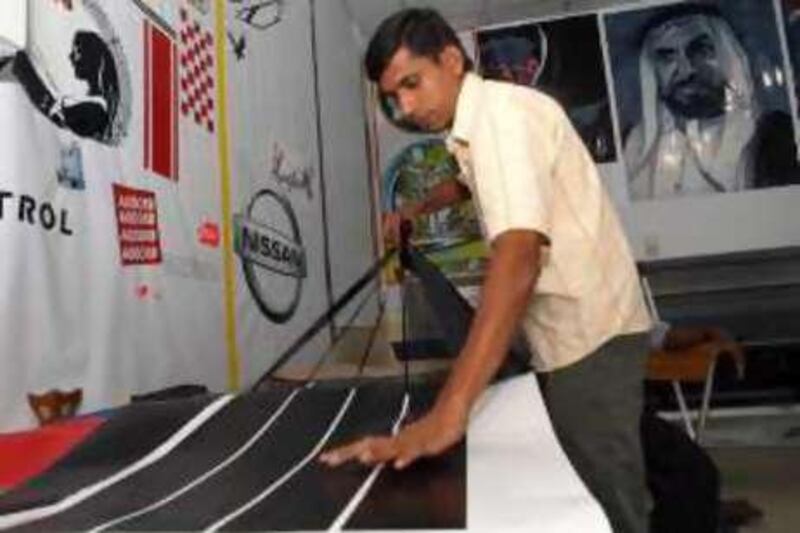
[527,168]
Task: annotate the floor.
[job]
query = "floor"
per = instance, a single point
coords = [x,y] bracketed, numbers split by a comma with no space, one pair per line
[758,456]
[769,479]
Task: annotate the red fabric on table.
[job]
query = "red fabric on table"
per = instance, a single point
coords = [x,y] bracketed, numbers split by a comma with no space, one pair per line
[26,454]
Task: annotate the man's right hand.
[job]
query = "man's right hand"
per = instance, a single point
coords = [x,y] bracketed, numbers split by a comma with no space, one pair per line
[392,221]
[446,193]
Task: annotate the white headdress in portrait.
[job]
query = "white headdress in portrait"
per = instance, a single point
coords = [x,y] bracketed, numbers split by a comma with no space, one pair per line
[665,161]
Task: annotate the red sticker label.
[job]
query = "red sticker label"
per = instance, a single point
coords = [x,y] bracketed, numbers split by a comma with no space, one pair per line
[137,225]
[208,234]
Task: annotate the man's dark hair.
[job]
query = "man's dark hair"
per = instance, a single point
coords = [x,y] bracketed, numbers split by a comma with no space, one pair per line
[423,31]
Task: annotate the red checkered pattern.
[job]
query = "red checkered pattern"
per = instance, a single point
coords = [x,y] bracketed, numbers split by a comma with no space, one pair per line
[196,72]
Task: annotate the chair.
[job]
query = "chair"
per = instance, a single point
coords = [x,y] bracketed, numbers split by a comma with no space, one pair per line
[690,355]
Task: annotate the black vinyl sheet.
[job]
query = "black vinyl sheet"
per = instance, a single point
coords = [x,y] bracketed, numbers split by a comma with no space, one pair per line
[130,434]
[315,497]
[429,494]
[210,445]
[294,434]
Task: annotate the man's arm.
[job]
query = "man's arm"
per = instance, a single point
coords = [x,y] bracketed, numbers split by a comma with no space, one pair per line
[508,287]
[446,193]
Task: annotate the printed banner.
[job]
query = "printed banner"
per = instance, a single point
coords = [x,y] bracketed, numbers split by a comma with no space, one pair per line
[117,258]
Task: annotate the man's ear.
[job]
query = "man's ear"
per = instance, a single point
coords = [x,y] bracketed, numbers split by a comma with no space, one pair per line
[452,58]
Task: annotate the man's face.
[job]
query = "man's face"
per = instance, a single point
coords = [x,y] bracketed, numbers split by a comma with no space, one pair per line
[687,65]
[515,59]
[424,91]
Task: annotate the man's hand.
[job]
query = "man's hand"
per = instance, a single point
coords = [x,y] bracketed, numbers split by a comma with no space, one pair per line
[446,193]
[431,435]
[392,221]
[509,284]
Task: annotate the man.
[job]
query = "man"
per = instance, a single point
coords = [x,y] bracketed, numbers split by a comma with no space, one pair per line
[702,130]
[516,54]
[560,266]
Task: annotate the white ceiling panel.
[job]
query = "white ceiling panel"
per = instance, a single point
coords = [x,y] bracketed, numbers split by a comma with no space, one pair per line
[465,14]
[12,26]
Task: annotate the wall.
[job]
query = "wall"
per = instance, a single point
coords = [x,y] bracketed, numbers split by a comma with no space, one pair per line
[710,258]
[13,24]
[276,187]
[689,226]
[350,219]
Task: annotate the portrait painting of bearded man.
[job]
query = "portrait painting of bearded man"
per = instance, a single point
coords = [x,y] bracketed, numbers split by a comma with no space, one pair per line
[702,108]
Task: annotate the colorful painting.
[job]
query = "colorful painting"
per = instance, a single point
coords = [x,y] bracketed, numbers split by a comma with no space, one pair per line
[451,237]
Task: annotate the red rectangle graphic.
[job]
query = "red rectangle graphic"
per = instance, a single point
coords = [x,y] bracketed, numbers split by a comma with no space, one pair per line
[160,103]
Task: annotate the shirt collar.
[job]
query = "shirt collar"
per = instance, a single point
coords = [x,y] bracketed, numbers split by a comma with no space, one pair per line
[466,105]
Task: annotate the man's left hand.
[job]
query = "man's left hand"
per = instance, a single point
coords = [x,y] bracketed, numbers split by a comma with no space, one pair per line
[431,435]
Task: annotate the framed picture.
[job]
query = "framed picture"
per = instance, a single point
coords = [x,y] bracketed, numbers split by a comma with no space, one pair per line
[544,55]
[702,98]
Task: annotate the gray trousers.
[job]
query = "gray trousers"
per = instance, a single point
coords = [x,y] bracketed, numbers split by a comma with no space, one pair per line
[595,406]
